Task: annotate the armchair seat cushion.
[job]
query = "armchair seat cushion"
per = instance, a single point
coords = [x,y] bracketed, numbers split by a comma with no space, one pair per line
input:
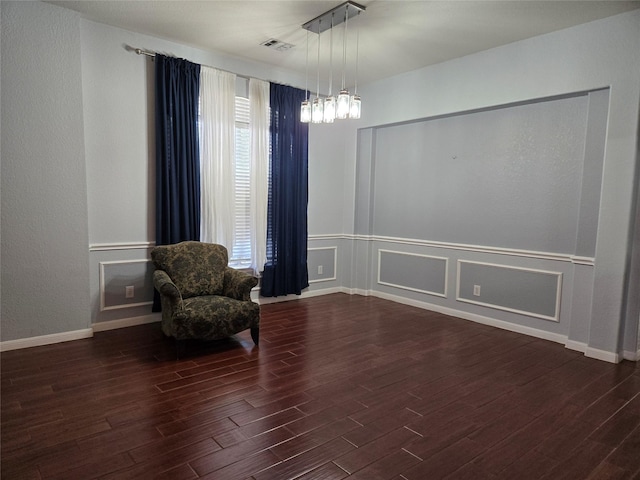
[211,317]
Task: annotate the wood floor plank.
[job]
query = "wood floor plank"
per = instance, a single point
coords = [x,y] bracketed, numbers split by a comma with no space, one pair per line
[166,459]
[381,426]
[532,465]
[328,471]
[341,386]
[271,422]
[376,449]
[256,413]
[626,455]
[445,461]
[305,462]
[325,416]
[237,452]
[581,463]
[617,428]
[515,446]
[218,416]
[501,427]
[94,467]
[311,439]
[387,466]
[245,467]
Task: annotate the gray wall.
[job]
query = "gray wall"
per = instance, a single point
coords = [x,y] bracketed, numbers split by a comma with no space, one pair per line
[631,337]
[588,234]
[118,112]
[520,181]
[508,177]
[45,269]
[487,212]
[58,202]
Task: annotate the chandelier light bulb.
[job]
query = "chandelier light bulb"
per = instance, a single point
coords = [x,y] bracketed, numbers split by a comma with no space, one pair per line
[342,108]
[317,110]
[305,112]
[329,109]
[355,107]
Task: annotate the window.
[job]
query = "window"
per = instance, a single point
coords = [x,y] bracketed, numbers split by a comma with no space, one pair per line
[241,254]
[234,166]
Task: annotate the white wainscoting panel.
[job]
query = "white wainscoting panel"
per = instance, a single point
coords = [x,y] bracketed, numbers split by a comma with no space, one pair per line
[334,250]
[555,317]
[418,257]
[103,300]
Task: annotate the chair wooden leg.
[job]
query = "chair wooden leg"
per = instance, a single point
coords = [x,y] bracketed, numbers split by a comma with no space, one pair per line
[255,334]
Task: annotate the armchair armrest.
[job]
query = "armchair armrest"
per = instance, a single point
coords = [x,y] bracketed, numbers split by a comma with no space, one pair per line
[165,286]
[238,284]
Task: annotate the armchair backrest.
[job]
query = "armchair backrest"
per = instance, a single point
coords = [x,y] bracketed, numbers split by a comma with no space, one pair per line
[196,268]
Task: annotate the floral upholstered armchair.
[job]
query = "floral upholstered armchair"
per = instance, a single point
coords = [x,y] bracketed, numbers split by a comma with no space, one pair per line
[201,296]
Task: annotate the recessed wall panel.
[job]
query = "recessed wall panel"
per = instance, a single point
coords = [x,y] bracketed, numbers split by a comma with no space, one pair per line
[508,177]
[322,264]
[125,284]
[420,273]
[521,290]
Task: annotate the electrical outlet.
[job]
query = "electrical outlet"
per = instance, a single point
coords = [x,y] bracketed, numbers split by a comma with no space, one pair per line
[476,290]
[129,291]
[320,269]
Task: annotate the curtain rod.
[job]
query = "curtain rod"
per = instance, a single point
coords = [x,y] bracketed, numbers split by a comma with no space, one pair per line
[152,54]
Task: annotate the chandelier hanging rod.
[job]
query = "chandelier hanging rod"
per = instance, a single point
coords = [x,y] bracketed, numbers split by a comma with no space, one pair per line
[339,14]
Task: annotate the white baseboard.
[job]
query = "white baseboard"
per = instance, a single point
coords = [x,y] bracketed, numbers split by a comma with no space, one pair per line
[577,346]
[358,291]
[126,322]
[45,339]
[156,317]
[305,294]
[598,354]
[602,355]
[492,322]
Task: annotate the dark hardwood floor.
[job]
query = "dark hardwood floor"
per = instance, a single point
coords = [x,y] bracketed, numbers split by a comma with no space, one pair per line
[341,386]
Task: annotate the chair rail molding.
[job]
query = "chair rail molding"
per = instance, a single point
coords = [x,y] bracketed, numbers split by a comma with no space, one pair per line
[102,247]
[513,252]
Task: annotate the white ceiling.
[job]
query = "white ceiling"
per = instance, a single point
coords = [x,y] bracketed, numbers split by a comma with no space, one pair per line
[395,36]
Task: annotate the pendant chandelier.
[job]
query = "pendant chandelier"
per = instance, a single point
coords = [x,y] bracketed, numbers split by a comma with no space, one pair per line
[345,105]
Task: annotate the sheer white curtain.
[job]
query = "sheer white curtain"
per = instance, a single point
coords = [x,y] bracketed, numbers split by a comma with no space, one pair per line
[217,156]
[259,124]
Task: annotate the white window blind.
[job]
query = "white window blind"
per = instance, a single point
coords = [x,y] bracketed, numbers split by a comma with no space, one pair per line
[241,255]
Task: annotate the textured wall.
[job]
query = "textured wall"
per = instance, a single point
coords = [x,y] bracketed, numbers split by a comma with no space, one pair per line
[44,189]
[45,270]
[508,177]
[604,53]
[118,97]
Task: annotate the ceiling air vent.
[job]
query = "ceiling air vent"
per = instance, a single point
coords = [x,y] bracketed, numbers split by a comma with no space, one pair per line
[277,45]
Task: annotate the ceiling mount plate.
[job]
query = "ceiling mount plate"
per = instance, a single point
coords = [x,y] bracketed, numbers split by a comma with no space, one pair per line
[340,13]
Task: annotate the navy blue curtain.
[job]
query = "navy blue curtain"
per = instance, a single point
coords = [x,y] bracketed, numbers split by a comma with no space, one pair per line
[177,84]
[286,269]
